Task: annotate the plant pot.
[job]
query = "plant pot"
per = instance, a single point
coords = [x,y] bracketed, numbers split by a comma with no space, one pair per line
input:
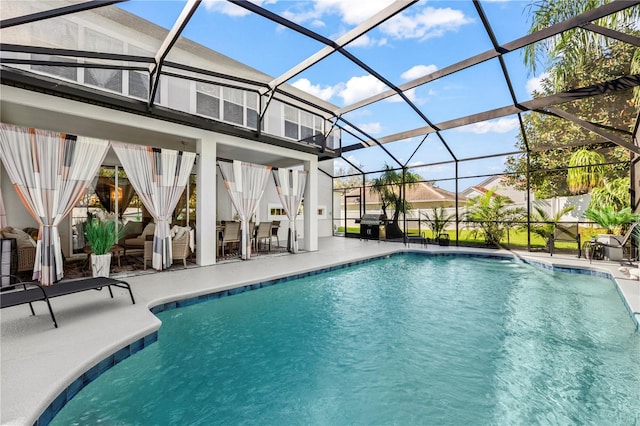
[611,253]
[100,264]
[443,239]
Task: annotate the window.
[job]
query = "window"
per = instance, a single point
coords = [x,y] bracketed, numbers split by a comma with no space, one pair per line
[208,100]
[291,122]
[104,78]
[252,110]
[139,86]
[233,105]
[306,126]
[70,73]
[139,81]
[65,36]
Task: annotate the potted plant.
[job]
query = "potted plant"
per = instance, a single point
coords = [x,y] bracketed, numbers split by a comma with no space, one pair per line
[438,222]
[101,233]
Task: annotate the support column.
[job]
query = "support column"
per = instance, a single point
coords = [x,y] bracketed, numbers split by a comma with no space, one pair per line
[206,235]
[311,206]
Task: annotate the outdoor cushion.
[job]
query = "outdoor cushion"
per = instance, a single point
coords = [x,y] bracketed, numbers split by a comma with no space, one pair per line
[23,239]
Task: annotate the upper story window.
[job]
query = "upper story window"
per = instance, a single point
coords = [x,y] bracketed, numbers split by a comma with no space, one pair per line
[252,110]
[233,105]
[208,100]
[104,78]
[65,36]
[139,81]
[291,120]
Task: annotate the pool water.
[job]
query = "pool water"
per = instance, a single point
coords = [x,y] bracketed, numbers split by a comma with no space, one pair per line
[403,340]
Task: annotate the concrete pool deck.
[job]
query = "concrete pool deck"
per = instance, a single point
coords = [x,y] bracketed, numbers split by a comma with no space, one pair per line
[38,361]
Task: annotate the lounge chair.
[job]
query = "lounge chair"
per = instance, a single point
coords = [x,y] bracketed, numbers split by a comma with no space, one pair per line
[566,233]
[15,292]
[625,245]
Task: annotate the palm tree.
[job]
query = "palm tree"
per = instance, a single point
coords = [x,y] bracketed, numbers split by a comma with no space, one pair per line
[545,225]
[491,213]
[388,186]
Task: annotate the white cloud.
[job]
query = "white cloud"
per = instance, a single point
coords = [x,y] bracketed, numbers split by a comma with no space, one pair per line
[501,125]
[351,15]
[428,23]
[230,9]
[535,83]
[322,92]
[358,88]
[418,71]
[371,128]
[366,41]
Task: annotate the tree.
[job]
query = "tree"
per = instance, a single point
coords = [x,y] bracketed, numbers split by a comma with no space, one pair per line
[388,187]
[573,59]
[491,213]
[586,171]
[614,193]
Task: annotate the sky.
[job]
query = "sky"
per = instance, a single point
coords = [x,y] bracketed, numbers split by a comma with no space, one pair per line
[425,37]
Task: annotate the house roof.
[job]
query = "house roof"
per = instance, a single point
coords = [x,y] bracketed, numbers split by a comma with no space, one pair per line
[418,192]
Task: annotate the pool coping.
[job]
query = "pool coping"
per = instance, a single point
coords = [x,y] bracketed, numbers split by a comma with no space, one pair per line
[155,307]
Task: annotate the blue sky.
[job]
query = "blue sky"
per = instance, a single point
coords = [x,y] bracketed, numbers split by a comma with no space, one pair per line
[426,37]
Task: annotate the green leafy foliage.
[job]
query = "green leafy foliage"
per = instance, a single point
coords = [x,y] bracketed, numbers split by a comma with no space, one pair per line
[576,58]
[491,213]
[586,171]
[438,220]
[543,224]
[388,186]
[613,193]
[613,220]
[101,235]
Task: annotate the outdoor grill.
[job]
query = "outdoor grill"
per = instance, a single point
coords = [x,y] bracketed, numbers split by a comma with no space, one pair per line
[372,226]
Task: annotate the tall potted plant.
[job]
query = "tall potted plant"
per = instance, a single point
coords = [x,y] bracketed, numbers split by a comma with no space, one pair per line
[101,234]
[438,221]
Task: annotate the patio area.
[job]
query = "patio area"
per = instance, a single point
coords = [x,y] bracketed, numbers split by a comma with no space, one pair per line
[39,361]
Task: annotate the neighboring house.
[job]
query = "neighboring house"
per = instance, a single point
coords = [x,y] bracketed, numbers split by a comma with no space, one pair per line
[499,185]
[422,196]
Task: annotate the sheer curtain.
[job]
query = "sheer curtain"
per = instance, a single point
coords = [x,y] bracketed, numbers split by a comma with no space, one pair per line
[159,176]
[51,172]
[3,213]
[290,186]
[245,183]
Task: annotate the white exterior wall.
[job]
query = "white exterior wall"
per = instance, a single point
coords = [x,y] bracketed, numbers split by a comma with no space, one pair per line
[38,110]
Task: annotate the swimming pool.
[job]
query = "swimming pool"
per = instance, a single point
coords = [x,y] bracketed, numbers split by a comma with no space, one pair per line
[404,340]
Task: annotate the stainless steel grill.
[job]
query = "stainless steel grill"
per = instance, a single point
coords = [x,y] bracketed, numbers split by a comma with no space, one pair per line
[372,226]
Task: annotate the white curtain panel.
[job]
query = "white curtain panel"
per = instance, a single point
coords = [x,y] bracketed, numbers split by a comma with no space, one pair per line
[245,183]
[3,213]
[51,172]
[159,176]
[290,185]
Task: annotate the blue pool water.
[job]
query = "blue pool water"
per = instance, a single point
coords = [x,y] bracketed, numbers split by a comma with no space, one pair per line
[403,340]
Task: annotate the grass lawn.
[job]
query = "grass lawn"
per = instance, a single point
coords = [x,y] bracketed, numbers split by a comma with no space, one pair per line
[516,237]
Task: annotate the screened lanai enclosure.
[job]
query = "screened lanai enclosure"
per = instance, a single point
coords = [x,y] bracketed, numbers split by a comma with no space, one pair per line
[486,122]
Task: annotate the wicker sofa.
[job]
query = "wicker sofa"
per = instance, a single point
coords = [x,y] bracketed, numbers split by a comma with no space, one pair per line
[26,246]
